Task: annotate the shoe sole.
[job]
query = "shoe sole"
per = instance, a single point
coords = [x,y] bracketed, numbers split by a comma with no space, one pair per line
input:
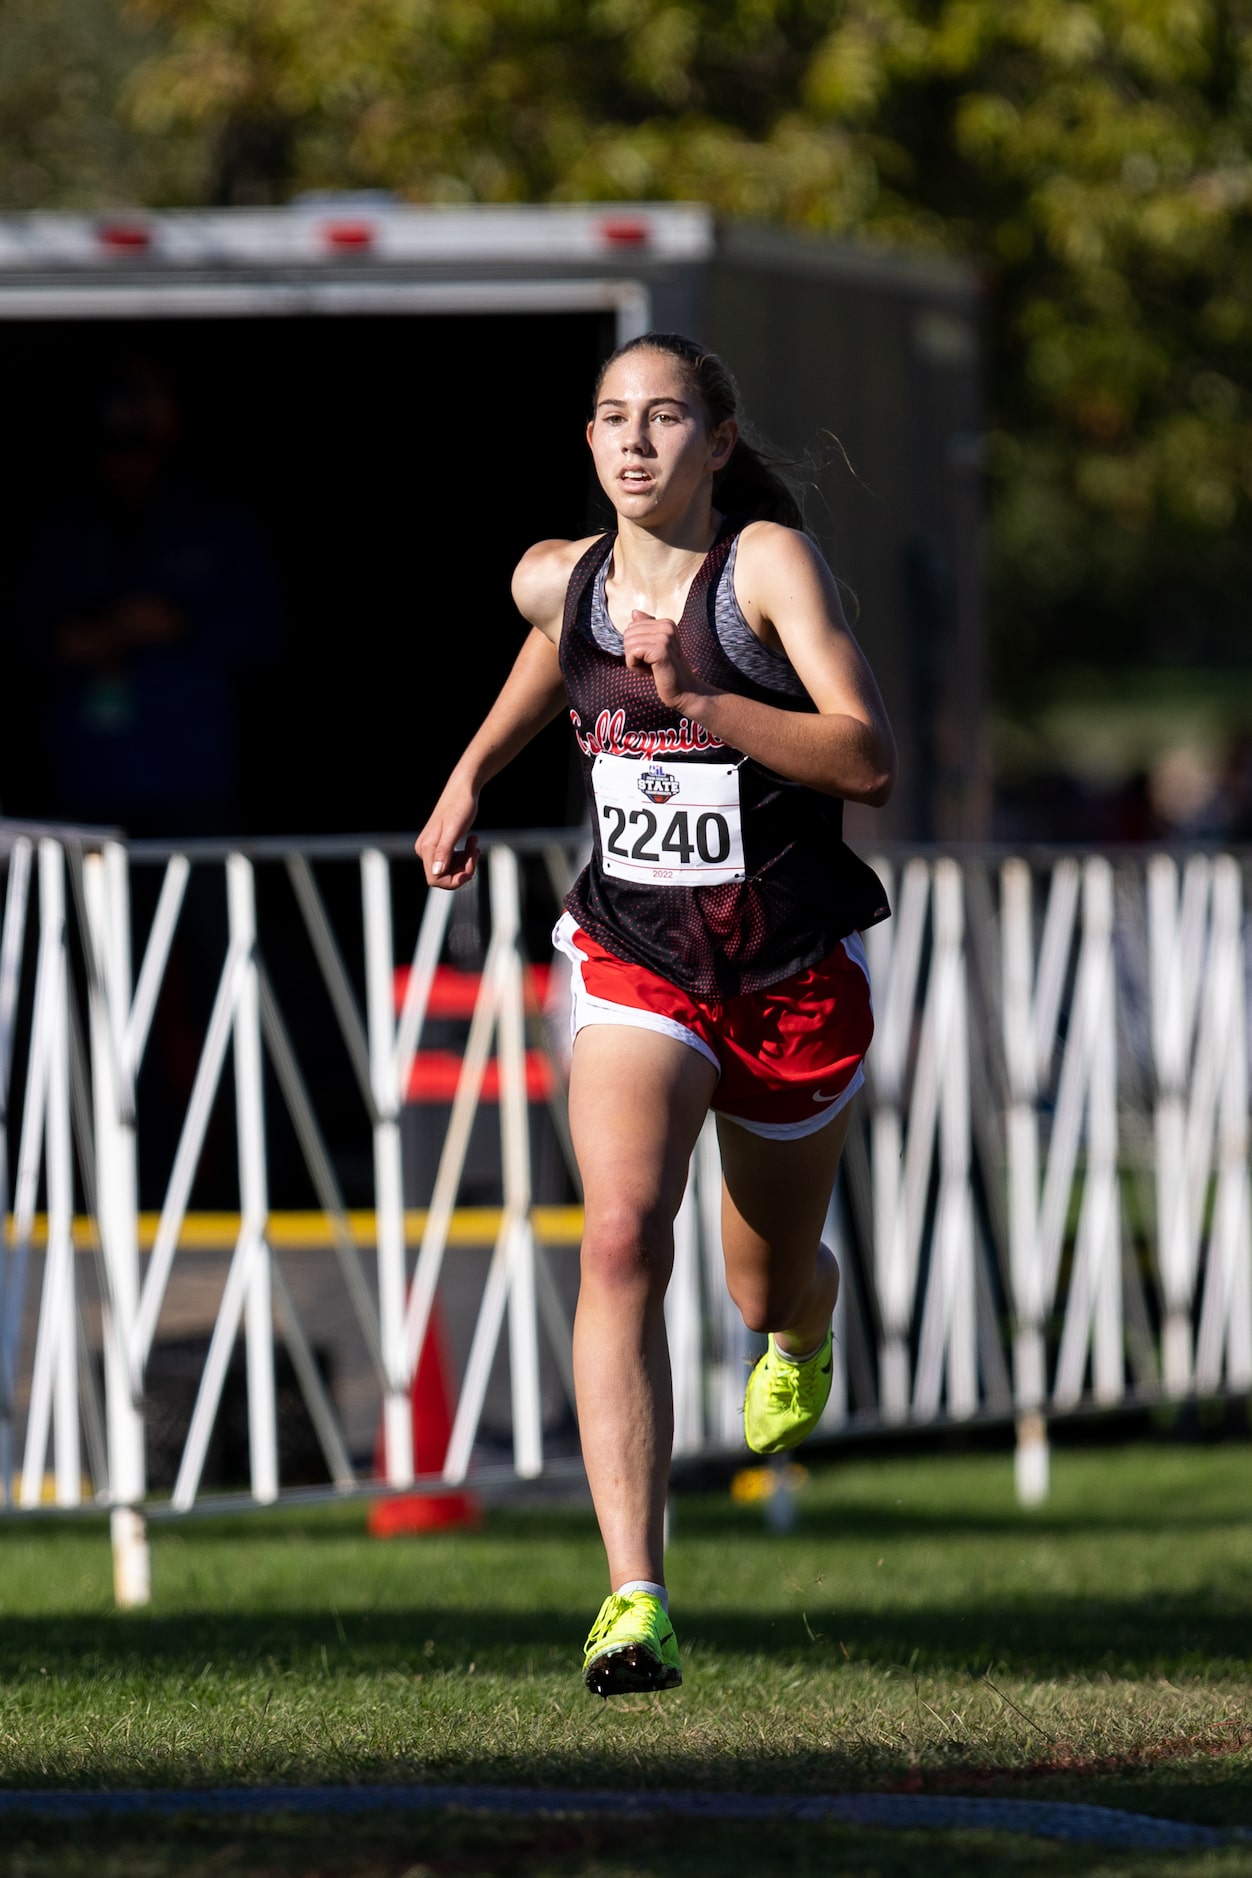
[628,1671]
[780,1447]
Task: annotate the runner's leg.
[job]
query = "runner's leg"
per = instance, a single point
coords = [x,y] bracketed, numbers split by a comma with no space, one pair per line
[775,1196]
[637,1102]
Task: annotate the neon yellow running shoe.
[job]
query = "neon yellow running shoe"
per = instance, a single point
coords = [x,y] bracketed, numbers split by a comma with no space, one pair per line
[784,1401]
[631,1647]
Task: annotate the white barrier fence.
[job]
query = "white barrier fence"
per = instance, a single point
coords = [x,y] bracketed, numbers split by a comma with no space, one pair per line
[1044,1204]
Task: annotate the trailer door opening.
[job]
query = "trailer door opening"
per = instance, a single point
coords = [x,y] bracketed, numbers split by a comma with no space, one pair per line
[394,467]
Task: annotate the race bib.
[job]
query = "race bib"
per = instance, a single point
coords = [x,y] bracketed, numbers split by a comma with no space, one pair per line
[669,824]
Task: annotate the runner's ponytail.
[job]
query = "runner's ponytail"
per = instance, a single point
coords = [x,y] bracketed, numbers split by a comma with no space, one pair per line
[754,485]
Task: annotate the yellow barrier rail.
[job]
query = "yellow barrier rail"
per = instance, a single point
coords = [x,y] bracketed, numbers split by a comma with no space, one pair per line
[314,1232]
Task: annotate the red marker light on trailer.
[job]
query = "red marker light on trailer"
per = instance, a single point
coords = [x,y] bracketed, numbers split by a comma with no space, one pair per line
[124,237]
[625,231]
[350,235]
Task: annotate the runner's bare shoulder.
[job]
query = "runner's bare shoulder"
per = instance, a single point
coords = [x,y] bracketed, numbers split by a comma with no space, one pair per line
[540,579]
[772,549]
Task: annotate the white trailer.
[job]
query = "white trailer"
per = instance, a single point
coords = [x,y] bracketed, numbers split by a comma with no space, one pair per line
[375,381]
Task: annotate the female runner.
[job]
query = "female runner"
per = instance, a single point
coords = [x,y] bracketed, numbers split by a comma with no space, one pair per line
[724,713]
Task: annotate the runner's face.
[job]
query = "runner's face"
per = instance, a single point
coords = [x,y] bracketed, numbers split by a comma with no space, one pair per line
[650,437]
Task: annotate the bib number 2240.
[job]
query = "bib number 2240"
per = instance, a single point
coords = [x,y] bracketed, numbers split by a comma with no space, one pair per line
[673,824]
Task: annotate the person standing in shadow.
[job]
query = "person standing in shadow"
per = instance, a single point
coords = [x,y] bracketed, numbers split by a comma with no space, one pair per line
[144,603]
[146,606]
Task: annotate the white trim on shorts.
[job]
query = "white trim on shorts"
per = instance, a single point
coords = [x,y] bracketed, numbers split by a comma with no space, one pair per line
[795,1131]
[585,1009]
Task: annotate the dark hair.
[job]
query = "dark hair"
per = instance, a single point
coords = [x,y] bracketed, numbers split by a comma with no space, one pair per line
[754,483]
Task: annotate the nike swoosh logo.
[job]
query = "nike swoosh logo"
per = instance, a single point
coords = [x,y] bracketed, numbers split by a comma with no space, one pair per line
[820,1095]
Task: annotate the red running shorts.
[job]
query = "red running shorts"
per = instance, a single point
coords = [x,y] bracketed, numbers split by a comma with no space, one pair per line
[788,1058]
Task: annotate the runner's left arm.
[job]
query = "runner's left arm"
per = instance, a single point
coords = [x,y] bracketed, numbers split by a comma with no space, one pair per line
[789,596]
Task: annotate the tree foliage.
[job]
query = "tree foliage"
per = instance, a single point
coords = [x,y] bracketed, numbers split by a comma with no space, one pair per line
[64,143]
[1092,157]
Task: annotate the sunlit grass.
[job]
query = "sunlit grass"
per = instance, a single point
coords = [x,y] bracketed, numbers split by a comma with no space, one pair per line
[915,1630]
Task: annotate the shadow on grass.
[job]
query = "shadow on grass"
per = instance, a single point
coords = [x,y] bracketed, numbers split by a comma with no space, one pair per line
[622,1749]
[386,1846]
[852,1516]
[827,1510]
[112,1662]
[1043,1636]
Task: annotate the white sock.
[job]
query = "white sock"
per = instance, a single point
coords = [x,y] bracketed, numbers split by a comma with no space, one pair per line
[643,1584]
[786,1355]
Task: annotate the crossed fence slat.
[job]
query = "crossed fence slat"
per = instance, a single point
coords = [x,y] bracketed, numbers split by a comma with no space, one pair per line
[990,1264]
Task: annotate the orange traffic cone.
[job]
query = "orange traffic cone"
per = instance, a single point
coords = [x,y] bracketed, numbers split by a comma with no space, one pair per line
[432,1426]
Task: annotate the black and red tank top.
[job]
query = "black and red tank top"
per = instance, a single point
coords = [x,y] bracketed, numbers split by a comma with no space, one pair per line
[707,868]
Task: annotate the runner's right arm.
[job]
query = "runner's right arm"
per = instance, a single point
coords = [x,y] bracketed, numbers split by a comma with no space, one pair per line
[531,696]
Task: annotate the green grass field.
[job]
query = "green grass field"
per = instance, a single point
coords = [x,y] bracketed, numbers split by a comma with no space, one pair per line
[914,1631]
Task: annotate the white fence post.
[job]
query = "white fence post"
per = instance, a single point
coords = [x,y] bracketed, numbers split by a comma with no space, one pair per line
[54,1376]
[1022,1170]
[726,1359]
[388,1164]
[506,912]
[683,1320]
[1093,1312]
[12,936]
[1031,1005]
[900,1175]
[947,1338]
[1176,938]
[1226,1311]
[835,1413]
[253,1187]
[107,906]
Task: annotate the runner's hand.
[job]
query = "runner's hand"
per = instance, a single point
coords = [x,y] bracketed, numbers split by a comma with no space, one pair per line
[445,847]
[654,645]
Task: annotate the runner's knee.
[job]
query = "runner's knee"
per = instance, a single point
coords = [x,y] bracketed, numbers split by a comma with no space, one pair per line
[627,1246]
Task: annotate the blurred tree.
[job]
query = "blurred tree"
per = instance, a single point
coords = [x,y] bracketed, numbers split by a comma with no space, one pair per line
[1093,157]
[63,142]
